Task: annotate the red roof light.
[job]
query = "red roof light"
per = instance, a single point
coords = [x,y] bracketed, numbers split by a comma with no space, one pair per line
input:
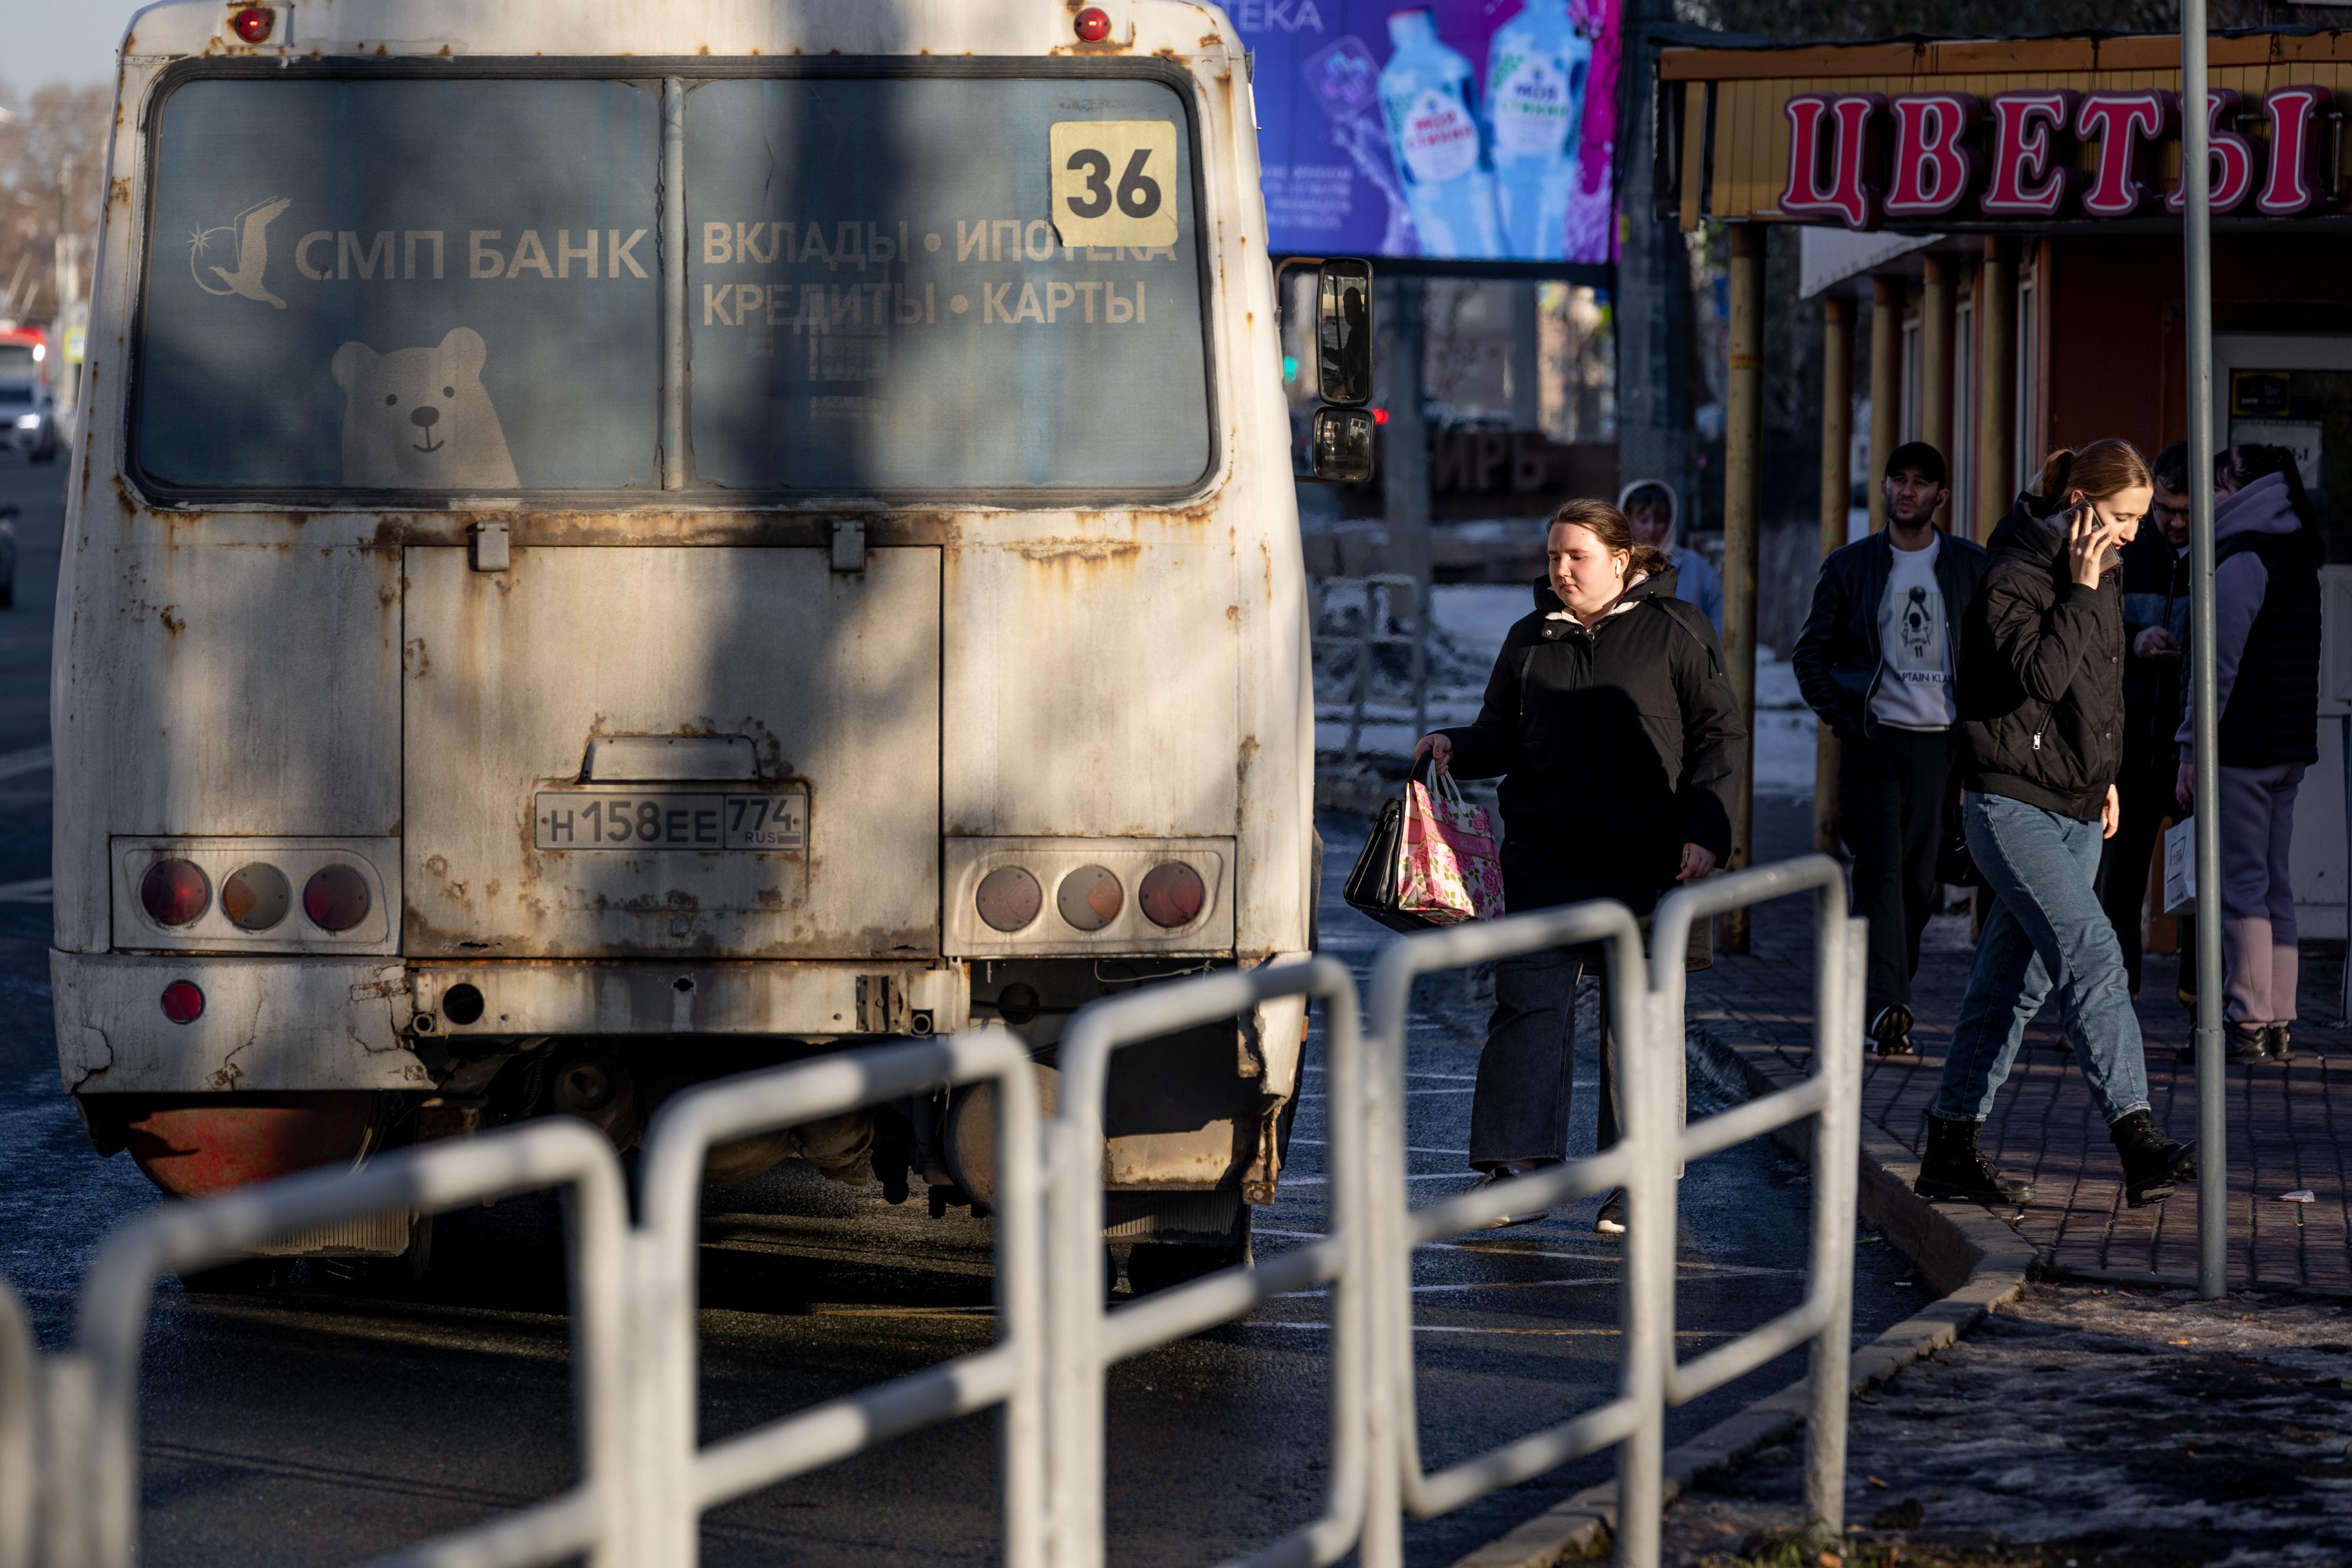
[1094,25]
[254,23]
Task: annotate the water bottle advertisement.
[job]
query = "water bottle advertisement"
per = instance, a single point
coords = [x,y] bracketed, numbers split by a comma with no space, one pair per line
[1462,130]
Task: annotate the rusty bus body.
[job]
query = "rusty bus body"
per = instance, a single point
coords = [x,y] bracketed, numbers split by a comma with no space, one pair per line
[768,601]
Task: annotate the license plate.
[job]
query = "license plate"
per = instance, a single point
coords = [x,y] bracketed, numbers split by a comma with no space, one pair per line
[635,820]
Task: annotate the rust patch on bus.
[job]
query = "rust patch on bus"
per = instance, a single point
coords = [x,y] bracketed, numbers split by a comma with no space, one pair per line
[1081,552]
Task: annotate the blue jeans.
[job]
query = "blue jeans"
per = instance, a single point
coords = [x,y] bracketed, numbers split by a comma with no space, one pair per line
[2046,928]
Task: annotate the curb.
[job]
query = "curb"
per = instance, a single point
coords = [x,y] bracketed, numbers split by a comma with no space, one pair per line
[1976,1261]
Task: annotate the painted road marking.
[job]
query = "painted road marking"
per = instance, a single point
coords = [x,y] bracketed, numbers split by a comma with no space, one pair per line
[17,764]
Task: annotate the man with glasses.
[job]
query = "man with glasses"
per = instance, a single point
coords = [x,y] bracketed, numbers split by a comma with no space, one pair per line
[2156,634]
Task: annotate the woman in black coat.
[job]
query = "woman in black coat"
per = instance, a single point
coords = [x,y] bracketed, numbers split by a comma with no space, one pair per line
[1618,739]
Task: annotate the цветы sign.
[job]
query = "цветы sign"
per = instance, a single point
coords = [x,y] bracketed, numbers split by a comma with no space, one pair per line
[1865,157]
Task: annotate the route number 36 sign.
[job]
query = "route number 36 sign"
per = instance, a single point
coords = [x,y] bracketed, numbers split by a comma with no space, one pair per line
[1114,182]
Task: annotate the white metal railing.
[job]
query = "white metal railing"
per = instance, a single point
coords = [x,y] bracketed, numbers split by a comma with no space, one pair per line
[69,1470]
[1087,1340]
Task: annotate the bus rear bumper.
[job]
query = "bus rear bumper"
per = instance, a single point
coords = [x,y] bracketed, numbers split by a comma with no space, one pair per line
[833,1001]
[293,1022]
[265,1024]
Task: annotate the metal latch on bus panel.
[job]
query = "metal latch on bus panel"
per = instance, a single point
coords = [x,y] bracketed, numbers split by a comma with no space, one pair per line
[849,547]
[489,545]
[882,1007]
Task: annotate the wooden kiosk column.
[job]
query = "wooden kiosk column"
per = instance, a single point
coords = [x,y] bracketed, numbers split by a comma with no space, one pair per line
[1742,498]
[1997,391]
[1935,363]
[1837,483]
[1885,386]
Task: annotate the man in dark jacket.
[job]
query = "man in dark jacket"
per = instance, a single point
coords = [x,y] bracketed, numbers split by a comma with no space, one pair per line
[1879,662]
[1613,725]
[2156,633]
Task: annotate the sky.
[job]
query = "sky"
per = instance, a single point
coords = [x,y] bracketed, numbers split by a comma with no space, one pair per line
[60,40]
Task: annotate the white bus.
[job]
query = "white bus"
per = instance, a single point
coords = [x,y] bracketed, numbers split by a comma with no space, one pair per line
[614,545]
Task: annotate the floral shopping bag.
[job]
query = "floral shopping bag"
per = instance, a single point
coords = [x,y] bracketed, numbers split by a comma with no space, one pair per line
[1450,870]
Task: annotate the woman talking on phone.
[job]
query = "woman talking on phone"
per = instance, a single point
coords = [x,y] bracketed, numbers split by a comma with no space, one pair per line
[2042,699]
[1615,730]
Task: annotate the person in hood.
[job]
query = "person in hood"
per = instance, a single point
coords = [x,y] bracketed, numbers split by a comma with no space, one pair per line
[2266,560]
[1613,727]
[1877,660]
[1653,511]
[2041,702]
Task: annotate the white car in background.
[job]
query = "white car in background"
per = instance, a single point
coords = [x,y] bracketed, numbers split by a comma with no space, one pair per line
[28,421]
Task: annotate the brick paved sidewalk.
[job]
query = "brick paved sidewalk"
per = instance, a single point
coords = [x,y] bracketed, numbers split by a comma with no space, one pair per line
[2284,1134]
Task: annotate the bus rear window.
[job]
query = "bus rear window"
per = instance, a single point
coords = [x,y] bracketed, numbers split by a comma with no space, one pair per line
[880,297]
[442,286]
[448,287]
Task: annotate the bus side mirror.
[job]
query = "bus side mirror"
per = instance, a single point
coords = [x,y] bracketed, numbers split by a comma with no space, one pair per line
[1340,446]
[1343,296]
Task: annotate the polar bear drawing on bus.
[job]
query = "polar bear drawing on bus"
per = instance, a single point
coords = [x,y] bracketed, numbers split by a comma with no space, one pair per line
[419,419]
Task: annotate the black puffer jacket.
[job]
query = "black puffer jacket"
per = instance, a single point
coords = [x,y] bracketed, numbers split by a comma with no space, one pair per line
[2041,673]
[1617,744]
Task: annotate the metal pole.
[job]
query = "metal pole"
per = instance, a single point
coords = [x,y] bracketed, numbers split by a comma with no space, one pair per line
[1742,497]
[2197,235]
[1404,442]
[1885,386]
[1935,364]
[1652,315]
[1997,387]
[1843,945]
[673,226]
[1645,1291]
[1837,486]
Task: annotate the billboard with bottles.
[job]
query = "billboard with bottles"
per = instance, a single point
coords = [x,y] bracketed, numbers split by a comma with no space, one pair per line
[1460,129]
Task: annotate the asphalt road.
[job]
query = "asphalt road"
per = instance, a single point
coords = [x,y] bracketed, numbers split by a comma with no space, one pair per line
[333,1417]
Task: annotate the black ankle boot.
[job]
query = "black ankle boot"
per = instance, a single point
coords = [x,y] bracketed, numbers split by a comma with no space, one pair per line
[2152,1162]
[1956,1171]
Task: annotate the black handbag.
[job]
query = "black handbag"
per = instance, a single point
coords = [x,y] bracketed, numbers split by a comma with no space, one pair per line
[1372,886]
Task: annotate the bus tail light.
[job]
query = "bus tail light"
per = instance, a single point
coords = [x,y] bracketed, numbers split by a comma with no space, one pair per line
[254,23]
[1172,894]
[1090,898]
[1093,24]
[255,897]
[1009,898]
[183,1002]
[336,898]
[174,892]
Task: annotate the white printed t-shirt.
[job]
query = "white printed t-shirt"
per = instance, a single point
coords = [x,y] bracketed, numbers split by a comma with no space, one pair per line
[1914,683]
